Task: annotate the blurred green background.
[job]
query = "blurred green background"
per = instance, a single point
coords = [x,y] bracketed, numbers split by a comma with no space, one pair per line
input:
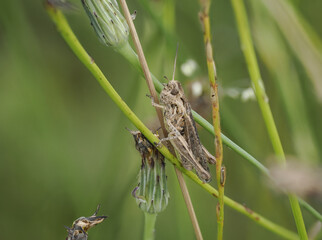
[63,144]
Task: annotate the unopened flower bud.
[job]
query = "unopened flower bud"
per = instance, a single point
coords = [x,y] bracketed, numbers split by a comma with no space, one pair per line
[107,21]
[151,194]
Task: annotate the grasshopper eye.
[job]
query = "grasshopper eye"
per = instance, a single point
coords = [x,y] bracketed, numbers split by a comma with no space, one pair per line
[174,91]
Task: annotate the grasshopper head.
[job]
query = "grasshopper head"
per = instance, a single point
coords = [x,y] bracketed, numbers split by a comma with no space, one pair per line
[172,93]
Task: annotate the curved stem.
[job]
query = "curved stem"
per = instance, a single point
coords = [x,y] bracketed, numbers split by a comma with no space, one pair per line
[258,85]
[66,32]
[149,225]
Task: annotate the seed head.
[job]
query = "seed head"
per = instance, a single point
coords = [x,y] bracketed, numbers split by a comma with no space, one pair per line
[107,21]
[151,193]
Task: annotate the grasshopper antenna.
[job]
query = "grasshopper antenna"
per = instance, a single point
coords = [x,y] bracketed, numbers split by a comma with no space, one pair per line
[157,129]
[97,209]
[175,62]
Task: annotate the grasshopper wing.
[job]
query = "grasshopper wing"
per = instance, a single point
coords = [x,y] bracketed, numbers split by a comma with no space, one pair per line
[192,138]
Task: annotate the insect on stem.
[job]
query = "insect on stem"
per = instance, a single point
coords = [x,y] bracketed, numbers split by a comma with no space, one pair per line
[182,131]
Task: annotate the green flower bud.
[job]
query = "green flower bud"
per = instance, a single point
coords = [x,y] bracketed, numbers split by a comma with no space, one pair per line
[151,194]
[107,21]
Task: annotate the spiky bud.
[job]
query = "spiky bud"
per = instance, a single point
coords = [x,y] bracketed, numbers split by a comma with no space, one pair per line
[151,194]
[107,21]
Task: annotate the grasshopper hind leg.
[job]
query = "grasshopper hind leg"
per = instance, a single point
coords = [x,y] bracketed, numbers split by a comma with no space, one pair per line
[210,158]
[185,163]
[205,177]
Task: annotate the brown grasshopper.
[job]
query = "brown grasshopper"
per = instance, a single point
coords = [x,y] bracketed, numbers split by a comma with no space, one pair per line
[182,132]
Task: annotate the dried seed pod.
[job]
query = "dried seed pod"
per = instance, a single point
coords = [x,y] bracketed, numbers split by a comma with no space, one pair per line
[107,21]
[151,194]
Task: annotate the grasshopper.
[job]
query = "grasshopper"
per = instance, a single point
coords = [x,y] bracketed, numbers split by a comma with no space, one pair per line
[182,132]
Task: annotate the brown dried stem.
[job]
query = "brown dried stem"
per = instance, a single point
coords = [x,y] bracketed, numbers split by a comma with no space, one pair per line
[212,74]
[153,93]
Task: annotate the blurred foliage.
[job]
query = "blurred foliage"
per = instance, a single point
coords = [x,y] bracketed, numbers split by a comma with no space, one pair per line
[63,143]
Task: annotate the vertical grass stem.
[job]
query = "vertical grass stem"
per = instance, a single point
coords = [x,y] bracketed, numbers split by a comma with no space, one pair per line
[249,53]
[212,74]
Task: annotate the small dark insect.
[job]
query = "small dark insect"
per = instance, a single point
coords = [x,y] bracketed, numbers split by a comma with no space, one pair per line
[80,226]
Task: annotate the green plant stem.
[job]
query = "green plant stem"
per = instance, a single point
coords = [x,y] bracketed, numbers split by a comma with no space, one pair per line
[212,75]
[310,209]
[149,224]
[64,29]
[274,53]
[272,50]
[248,49]
[301,38]
[229,143]
[207,126]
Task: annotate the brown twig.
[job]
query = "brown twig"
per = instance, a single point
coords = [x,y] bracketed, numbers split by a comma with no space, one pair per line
[153,93]
[220,169]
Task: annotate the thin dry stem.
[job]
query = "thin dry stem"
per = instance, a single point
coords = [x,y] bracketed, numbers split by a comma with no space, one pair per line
[152,90]
[220,169]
